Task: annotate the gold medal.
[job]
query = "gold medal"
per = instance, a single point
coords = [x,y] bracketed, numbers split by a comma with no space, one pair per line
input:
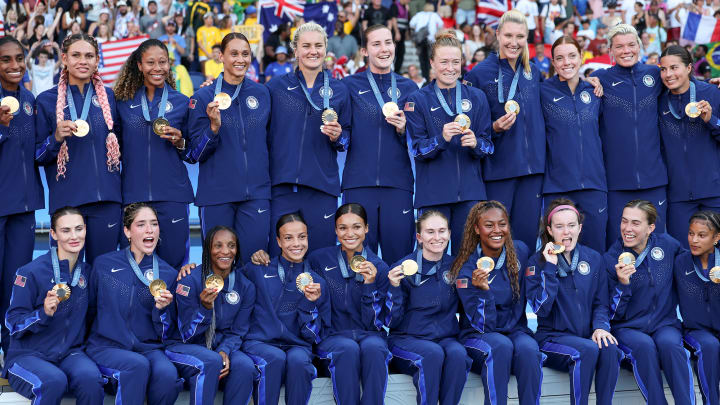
[159,125]
[626,258]
[62,291]
[390,108]
[485,263]
[10,102]
[224,100]
[715,274]
[512,107]
[692,110]
[557,249]
[156,286]
[302,281]
[83,128]
[355,261]
[409,267]
[329,115]
[214,281]
[464,121]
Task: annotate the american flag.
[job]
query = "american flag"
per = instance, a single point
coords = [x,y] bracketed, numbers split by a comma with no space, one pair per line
[490,11]
[113,54]
[2,26]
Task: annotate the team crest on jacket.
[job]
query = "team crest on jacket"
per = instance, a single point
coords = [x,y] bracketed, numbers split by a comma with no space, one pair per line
[149,275]
[585,97]
[648,80]
[657,253]
[27,108]
[584,268]
[168,106]
[81,282]
[466,105]
[232,297]
[447,278]
[322,91]
[252,102]
[528,75]
[397,91]
[95,101]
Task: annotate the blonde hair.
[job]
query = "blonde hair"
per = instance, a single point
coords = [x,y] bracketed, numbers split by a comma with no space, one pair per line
[516,17]
[622,29]
[445,38]
[308,27]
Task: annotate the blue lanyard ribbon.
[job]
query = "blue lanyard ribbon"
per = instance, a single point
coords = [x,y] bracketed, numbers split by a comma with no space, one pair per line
[701,272]
[513,85]
[376,90]
[500,261]
[56,268]
[281,270]
[563,269]
[231,281]
[444,104]
[692,100]
[325,92]
[218,87]
[86,105]
[136,268]
[161,107]
[343,266]
[420,273]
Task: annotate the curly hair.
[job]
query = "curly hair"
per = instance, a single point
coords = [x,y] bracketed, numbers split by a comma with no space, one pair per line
[111,141]
[130,78]
[471,240]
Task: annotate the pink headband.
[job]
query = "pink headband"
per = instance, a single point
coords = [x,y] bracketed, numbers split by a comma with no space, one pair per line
[560,208]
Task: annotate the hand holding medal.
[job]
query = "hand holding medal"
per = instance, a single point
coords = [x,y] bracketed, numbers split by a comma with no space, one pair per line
[311,289]
[701,109]
[8,107]
[484,266]
[364,267]
[51,303]
[162,296]
[551,251]
[625,267]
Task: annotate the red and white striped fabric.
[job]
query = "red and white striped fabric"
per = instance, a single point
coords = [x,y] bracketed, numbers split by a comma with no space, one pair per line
[113,54]
[490,11]
[2,26]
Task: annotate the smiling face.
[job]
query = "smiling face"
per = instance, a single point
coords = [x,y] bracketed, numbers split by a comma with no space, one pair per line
[351,230]
[493,228]
[447,63]
[81,60]
[154,66]
[512,39]
[236,58]
[223,250]
[625,49]
[567,61]
[674,73]
[634,227]
[293,241]
[565,228]
[434,234]
[310,51]
[12,65]
[380,49]
[69,233]
[144,232]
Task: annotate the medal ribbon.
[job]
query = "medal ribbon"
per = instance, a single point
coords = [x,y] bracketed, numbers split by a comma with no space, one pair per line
[86,105]
[376,90]
[562,267]
[343,266]
[692,100]
[432,270]
[444,104]
[500,261]
[513,85]
[701,273]
[218,87]
[325,95]
[281,270]
[161,107]
[56,268]
[136,268]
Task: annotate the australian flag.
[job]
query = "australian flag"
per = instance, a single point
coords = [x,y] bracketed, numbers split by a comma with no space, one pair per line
[273,13]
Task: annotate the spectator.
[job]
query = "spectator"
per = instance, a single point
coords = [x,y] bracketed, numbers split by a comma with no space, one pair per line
[584,42]
[42,73]
[425,24]
[250,16]
[123,17]
[652,59]
[474,41]
[133,29]
[281,66]
[39,33]
[445,13]
[612,17]
[400,11]
[279,38]
[214,66]
[585,29]
[376,14]
[466,12]
[478,57]
[74,14]
[677,12]
[151,22]
[699,59]
[183,83]
[188,35]
[660,13]
[639,20]
[103,33]
[207,36]
[92,10]
[415,76]
[226,26]
[656,33]
[173,41]
[103,18]
[530,9]
[342,44]
[540,61]
[552,14]
[600,38]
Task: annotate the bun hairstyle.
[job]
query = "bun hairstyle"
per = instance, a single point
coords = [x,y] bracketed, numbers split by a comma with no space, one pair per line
[680,52]
[516,17]
[111,141]
[130,78]
[445,38]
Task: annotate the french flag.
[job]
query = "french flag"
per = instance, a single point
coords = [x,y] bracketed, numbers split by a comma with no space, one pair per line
[701,29]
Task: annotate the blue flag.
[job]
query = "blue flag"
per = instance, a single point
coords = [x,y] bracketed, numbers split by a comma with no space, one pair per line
[323,13]
[274,13]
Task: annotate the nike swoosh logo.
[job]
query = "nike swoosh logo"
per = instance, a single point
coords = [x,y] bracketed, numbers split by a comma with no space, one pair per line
[491,280]
[268,276]
[111,225]
[328,216]
[616,83]
[600,211]
[362,91]
[666,112]
[135,105]
[687,273]
[176,220]
[434,108]
[558,99]
[330,268]
[115,270]
[662,202]
[292,88]
[496,80]
[406,211]
[423,282]
[261,211]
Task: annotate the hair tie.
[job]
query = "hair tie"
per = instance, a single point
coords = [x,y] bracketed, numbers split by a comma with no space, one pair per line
[560,208]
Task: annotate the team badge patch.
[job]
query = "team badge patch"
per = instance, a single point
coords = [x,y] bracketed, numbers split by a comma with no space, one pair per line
[389,92]
[466,105]
[461,283]
[27,108]
[252,102]
[447,278]
[585,97]
[657,253]
[467,83]
[584,268]
[322,92]
[168,107]
[193,102]
[530,271]
[20,281]
[648,80]
[232,297]
[81,282]
[95,101]
[182,290]
[409,106]
[149,275]
[528,75]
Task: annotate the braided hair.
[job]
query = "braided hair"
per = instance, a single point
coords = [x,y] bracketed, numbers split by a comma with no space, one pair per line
[206,270]
[471,240]
[111,142]
[130,78]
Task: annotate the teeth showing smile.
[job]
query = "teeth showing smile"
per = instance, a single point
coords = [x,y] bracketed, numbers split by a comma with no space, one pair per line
[496,238]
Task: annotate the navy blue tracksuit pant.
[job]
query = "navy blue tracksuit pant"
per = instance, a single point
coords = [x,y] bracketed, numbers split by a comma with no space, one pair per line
[679,213]
[706,350]
[250,219]
[522,198]
[103,221]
